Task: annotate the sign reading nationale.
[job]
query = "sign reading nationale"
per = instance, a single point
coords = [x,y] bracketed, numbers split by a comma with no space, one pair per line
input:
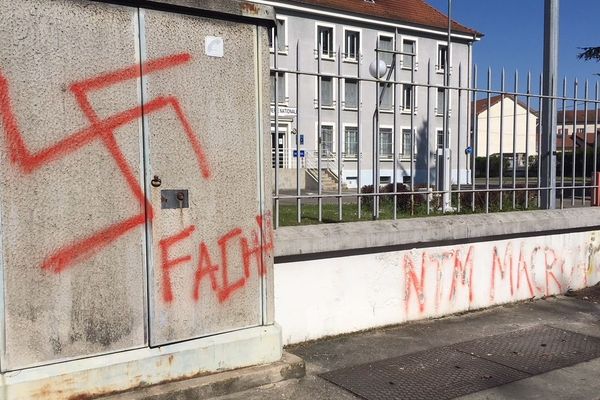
[284,111]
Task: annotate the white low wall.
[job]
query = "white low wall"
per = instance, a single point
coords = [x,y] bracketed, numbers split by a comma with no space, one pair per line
[318,297]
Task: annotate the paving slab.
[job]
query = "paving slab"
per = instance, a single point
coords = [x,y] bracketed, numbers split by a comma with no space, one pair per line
[577,382]
[442,373]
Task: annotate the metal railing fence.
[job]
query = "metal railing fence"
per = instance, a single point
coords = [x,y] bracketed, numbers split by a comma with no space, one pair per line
[447,168]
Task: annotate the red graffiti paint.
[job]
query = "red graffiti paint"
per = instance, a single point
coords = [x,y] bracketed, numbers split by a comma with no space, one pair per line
[167,263]
[550,266]
[218,273]
[522,269]
[258,251]
[414,281]
[460,273]
[504,267]
[104,130]
[438,281]
[205,268]
[227,288]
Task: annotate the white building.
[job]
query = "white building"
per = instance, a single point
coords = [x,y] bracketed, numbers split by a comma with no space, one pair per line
[339,38]
[512,128]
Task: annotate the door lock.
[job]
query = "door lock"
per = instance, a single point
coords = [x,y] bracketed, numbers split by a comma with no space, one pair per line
[171,199]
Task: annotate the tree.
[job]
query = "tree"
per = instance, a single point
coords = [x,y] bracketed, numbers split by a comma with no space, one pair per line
[589,53]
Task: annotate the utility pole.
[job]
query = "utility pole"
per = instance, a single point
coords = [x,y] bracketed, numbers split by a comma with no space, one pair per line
[547,158]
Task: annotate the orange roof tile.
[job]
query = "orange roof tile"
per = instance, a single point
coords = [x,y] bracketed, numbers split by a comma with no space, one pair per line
[416,12]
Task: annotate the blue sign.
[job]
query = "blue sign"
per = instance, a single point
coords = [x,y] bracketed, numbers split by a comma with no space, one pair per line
[302,140]
[301,153]
[469,150]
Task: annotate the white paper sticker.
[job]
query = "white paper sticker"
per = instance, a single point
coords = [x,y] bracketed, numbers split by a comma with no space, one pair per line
[213,46]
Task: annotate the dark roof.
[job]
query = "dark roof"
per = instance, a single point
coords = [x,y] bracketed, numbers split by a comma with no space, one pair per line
[570,114]
[481,104]
[579,143]
[416,12]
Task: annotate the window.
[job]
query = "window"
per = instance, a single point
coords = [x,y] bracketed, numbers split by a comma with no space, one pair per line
[440,139]
[408,61]
[281,97]
[351,142]
[352,45]
[351,93]
[386,143]
[386,43]
[326,91]
[407,98]
[386,96]
[442,57]
[281,36]
[439,107]
[326,140]
[325,41]
[406,143]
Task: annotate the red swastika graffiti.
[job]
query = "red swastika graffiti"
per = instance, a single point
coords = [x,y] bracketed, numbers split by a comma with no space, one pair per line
[99,129]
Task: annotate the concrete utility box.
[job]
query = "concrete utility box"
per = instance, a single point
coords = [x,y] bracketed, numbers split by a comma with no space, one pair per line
[133,217]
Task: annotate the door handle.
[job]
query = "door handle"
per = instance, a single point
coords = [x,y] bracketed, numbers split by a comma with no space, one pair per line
[156,182]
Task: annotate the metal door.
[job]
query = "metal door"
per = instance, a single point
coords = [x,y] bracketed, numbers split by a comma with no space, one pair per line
[205,231]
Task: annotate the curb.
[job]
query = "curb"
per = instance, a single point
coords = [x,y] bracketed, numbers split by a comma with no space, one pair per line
[222,383]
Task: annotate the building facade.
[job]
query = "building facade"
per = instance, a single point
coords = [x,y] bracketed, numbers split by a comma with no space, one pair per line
[577,129]
[337,40]
[510,127]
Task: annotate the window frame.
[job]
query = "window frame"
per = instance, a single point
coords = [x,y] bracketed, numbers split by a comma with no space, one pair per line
[415,60]
[391,154]
[285,44]
[333,91]
[404,110]
[343,94]
[392,107]
[350,125]
[402,156]
[388,35]
[359,47]
[448,138]
[437,113]
[438,68]
[333,136]
[319,24]
[286,89]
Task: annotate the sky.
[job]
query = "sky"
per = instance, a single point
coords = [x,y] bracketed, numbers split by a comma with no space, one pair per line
[514,33]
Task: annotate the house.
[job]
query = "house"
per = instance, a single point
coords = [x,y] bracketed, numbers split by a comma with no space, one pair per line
[338,38]
[576,129]
[510,127]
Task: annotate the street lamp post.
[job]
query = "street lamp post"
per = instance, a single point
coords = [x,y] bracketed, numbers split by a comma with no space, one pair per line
[446,167]
[377,69]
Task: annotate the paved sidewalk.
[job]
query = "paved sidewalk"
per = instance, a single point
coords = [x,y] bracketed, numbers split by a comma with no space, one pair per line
[580,314]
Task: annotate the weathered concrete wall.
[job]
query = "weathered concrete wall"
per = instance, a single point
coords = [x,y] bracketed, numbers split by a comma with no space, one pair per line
[219,97]
[95,100]
[69,289]
[351,291]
